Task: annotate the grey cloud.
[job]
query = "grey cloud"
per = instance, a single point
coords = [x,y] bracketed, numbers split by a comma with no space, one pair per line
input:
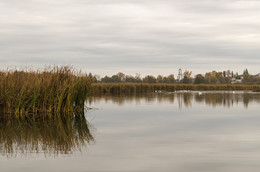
[110,35]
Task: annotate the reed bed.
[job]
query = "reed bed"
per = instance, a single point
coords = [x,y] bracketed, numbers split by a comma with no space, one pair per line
[47,91]
[140,88]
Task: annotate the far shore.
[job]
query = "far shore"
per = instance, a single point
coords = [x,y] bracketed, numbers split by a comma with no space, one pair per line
[139,88]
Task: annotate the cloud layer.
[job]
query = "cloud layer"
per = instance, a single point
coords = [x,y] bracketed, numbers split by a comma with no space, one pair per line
[132,36]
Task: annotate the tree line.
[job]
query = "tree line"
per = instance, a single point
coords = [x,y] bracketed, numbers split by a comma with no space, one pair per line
[213,77]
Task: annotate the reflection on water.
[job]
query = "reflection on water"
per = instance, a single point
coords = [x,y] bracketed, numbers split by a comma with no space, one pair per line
[185,99]
[51,136]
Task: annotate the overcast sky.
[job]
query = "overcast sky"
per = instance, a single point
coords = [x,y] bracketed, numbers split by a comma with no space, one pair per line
[131,36]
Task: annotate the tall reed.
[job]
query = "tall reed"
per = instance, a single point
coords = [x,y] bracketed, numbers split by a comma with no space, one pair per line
[52,90]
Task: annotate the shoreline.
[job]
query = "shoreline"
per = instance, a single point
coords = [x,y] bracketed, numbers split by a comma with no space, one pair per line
[139,88]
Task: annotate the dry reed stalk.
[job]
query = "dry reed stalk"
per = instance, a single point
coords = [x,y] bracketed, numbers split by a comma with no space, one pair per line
[52,90]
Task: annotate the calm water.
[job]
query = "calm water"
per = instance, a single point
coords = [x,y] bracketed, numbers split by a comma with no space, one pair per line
[183,132]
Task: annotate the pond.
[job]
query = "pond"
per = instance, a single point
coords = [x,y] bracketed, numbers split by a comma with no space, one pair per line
[181,131]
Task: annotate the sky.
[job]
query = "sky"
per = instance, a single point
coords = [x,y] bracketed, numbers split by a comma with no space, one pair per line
[105,37]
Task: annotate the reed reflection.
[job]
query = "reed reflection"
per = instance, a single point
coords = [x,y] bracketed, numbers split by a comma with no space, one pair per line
[186,99]
[52,136]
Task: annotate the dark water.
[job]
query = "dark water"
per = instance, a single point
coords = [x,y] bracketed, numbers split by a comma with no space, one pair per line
[183,132]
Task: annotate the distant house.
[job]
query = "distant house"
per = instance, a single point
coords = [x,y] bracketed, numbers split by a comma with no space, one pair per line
[257,75]
[236,81]
[241,76]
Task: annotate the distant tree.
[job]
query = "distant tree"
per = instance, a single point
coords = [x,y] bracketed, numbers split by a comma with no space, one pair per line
[247,79]
[171,79]
[221,79]
[97,78]
[228,73]
[159,79]
[121,76]
[224,74]
[199,79]
[90,75]
[138,78]
[237,76]
[187,74]
[245,72]
[130,79]
[186,80]
[106,79]
[149,79]
[165,80]
[93,78]
[187,77]
[211,77]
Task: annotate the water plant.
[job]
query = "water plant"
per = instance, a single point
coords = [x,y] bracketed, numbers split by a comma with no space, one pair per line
[47,91]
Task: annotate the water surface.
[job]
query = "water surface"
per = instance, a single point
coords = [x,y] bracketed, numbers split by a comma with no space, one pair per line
[183,131]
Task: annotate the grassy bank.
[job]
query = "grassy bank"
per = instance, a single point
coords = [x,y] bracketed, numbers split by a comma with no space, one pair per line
[53,90]
[133,88]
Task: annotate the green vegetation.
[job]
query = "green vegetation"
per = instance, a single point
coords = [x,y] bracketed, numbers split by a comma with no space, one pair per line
[214,77]
[122,78]
[140,88]
[50,91]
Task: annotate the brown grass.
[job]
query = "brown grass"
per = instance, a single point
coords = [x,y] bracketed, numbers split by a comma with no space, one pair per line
[140,88]
[52,90]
